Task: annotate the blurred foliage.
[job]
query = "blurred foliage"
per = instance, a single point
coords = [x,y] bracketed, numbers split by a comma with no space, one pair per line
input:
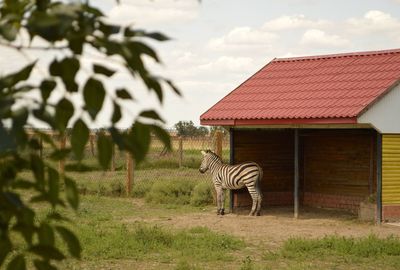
[70,28]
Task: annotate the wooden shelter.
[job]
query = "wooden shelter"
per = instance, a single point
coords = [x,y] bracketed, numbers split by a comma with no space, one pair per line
[325,129]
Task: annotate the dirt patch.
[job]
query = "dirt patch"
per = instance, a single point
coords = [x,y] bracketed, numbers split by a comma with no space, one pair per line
[276,225]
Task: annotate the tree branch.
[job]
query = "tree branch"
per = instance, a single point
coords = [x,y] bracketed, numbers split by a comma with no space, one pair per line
[38,48]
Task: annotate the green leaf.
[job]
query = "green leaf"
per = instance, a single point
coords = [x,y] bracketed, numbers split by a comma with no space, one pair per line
[13,198]
[116,113]
[100,69]
[54,185]
[123,94]
[152,83]
[104,146]
[163,135]
[93,94]
[21,75]
[9,31]
[7,142]
[46,235]
[60,154]
[151,114]
[37,167]
[157,36]
[79,138]
[23,184]
[47,252]
[17,263]
[74,247]
[46,87]
[43,265]
[64,112]
[109,29]
[43,115]
[173,87]
[139,140]
[66,69]
[50,26]
[5,248]
[76,43]
[71,192]
[141,48]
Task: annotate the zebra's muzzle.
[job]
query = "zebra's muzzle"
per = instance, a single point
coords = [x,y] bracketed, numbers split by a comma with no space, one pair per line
[201,170]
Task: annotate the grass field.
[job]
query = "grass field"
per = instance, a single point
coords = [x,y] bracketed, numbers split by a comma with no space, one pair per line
[126,233]
[159,226]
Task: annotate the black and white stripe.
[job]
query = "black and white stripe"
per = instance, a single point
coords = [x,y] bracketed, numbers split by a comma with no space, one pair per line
[227,176]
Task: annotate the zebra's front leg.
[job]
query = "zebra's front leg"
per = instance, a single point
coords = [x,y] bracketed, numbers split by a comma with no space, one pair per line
[222,203]
[220,210]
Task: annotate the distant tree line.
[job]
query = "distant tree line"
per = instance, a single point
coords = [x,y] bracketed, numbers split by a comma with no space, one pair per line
[188,129]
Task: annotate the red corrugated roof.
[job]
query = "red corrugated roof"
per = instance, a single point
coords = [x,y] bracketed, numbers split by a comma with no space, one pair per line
[322,89]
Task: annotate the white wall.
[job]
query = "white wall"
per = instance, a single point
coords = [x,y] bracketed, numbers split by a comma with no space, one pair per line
[384,115]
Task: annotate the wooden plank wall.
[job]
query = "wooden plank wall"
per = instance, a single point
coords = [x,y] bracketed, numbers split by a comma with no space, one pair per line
[273,151]
[339,162]
[333,162]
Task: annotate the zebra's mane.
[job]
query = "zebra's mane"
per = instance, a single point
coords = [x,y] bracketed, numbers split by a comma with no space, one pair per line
[213,154]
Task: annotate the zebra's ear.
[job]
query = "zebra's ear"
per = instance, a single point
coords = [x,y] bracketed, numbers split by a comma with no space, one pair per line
[203,153]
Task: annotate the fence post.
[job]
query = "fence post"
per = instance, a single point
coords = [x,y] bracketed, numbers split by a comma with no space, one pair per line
[130,168]
[218,143]
[113,158]
[91,142]
[41,146]
[180,152]
[61,164]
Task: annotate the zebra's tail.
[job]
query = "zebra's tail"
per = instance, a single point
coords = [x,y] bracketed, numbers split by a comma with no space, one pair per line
[260,176]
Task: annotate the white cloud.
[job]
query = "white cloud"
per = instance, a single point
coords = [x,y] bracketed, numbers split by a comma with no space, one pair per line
[244,38]
[294,22]
[156,12]
[230,64]
[318,38]
[374,21]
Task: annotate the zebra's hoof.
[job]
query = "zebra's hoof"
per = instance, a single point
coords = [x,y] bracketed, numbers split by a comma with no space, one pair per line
[222,212]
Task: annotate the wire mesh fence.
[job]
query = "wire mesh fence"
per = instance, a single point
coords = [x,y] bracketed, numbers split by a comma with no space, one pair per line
[123,177]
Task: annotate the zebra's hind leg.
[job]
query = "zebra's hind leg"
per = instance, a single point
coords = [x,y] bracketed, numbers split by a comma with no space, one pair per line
[259,203]
[254,197]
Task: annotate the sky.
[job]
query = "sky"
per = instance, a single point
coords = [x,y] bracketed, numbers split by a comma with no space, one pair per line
[217,44]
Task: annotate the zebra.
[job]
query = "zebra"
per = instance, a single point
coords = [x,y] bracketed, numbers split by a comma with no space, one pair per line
[227,176]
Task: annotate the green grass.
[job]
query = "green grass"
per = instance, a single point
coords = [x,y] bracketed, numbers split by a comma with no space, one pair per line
[368,247]
[336,252]
[146,242]
[125,233]
[107,235]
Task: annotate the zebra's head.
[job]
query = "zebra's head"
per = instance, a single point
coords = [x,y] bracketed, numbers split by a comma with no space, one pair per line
[208,158]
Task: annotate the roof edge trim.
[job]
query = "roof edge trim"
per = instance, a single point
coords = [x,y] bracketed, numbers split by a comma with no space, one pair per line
[338,55]
[257,122]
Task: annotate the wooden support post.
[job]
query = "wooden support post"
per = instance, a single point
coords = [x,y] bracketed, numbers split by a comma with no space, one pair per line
[231,161]
[130,168]
[379,179]
[218,143]
[180,152]
[371,166]
[296,173]
[61,164]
